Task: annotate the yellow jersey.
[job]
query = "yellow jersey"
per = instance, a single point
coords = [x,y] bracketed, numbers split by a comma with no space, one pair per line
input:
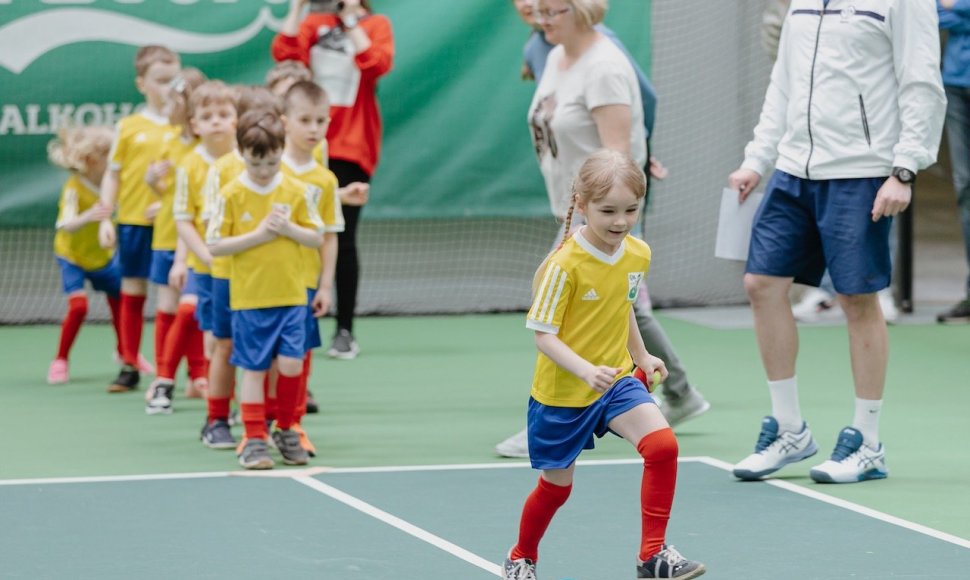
[139,142]
[321,153]
[269,275]
[585,299]
[81,247]
[324,183]
[164,236]
[226,169]
[189,201]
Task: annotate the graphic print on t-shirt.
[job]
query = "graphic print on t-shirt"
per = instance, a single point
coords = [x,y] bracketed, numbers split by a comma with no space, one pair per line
[542,136]
[332,62]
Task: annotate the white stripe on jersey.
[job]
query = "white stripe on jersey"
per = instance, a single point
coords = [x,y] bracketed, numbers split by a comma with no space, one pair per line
[537,299]
[69,210]
[213,233]
[556,282]
[180,207]
[210,192]
[312,196]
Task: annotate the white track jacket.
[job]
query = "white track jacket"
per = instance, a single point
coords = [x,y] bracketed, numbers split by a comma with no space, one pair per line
[855,91]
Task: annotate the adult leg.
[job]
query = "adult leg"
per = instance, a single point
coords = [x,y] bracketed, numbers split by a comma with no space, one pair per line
[958,138]
[348,267]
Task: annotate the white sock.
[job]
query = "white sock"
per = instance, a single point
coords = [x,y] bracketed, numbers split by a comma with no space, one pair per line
[867,420]
[784,404]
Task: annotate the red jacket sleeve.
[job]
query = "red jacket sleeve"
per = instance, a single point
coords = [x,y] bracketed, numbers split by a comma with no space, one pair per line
[378,59]
[295,47]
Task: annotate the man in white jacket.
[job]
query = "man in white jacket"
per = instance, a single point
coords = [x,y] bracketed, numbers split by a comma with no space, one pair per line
[854,110]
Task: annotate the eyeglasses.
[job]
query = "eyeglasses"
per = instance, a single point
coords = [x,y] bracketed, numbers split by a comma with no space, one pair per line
[546,14]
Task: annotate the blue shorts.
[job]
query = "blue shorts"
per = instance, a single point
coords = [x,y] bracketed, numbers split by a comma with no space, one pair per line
[203,309]
[261,334]
[313,339]
[191,287]
[106,279]
[135,250]
[161,265]
[557,435]
[221,314]
[804,227]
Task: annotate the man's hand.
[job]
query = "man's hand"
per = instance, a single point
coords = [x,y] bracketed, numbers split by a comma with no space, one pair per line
[657,169]
[892,199]
[356,193]
[744,181]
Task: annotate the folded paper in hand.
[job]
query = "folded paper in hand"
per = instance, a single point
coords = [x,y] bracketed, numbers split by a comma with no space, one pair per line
[734,225]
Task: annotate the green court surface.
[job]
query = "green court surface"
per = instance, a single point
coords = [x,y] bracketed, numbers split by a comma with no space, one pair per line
[441,391]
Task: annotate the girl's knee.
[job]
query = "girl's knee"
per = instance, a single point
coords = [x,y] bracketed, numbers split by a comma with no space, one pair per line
[289,367]
[660,445]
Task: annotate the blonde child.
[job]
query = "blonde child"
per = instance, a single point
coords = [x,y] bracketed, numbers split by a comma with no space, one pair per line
[285,74]
[306,115]
[84,152]
[171,302]
[263,219]
[212,118]
[588,342]
[139,139]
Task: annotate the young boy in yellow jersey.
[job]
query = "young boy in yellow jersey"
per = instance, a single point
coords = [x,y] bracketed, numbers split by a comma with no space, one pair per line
[306,115]
[212,117]
[263,219]
[84,152]
[166,249]
[138,143]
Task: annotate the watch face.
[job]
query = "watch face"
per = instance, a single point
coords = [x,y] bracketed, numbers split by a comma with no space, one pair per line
[905,175]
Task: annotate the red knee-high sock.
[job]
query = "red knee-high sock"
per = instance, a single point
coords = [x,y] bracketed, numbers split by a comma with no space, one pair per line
[254,420]
[659,452]
[218,408]
[195,350]
[287,398]
[271,403]
[163,324]
[176,339]
[132,322]
[114,303]
[539,508]
[304,386]
[77,310]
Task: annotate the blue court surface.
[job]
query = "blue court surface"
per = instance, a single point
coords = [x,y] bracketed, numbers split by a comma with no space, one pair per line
[444,522]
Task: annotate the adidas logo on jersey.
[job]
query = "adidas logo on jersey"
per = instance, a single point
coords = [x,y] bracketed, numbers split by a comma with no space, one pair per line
[246,217]
[141,138]
[591,295]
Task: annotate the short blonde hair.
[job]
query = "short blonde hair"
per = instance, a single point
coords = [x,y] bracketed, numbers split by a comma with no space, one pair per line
[151,54]
[588,13]
[252,97]
[74,145]
[211,92]
[287,69]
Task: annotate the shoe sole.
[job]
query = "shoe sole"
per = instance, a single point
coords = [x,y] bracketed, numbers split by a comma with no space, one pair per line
[158,410]
[226,445]
[823,477]
[746,475]
[953,321]
[511,455]
[342,355]
[699,571]
[116,388]
[288,461]
[261,464]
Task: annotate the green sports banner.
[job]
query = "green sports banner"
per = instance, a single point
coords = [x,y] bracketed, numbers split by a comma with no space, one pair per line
[456,142]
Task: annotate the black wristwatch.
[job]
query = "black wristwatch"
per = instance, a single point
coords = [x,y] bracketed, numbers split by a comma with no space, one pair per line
[904,175]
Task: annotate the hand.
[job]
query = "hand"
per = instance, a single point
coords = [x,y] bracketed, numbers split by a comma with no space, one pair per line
[657,169]
[177,275]
[274,223]
[892,199]
[321,302]
[106,234]
[601,378]
[744,181]
[97,213]
[526,73]
[152,210]
[356,193]
[650,365]
[157,173]
[947,4]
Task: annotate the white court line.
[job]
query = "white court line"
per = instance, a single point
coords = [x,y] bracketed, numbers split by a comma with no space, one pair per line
[296,474]
[400,524]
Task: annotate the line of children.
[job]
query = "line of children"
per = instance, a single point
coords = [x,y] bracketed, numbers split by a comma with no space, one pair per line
[588,342]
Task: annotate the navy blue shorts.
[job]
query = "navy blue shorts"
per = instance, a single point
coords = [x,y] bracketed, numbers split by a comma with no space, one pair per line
[191,287]
[804,227]
[557,435]
[135,250]
[161,265]
[221,314]
[261,334]
[106,279]
[313,339]
[203,309]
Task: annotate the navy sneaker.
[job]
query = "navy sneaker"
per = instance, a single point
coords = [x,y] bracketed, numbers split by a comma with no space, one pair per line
[216,435]
[668,563]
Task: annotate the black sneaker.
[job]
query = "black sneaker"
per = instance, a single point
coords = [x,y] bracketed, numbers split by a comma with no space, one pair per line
[216,435]
[160,398]
[127,380]
[255,455]
[668,563]
[343,345]
[312,408]
[958,314]
[288,443]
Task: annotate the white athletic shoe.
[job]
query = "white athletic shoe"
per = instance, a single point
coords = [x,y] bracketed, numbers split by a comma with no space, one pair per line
[888,305]
[815,305]
[852,461]
[516,446]
[691,404]
[775,450]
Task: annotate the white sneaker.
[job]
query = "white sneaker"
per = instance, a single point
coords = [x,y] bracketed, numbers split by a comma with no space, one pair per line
[691,404]
[815,305]
[516,446]
[888,305]
[852,461]
[775,450]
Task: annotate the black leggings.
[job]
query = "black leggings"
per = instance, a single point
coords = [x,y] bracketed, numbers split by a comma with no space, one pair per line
[348,266]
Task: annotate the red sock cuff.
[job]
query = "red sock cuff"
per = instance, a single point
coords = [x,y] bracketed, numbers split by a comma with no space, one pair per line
[659,445]
[555,494]
[218,408]
[254,419]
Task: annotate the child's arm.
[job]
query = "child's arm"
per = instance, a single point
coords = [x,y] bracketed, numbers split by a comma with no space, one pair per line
[328,259]
[109,194]
[238,244]
[638,351]
[71,221]
[179,270]
[599,378]
[193,241]
[299,234]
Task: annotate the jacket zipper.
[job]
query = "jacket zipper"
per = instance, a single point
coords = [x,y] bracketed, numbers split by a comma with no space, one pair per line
[811,90]
[865,120]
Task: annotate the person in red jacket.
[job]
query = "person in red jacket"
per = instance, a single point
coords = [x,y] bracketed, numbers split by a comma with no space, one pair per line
[348,49]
